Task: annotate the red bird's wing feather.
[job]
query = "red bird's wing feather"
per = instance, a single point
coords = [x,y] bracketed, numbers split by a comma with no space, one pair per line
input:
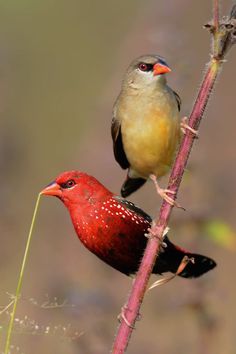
[171,256]
[132,207]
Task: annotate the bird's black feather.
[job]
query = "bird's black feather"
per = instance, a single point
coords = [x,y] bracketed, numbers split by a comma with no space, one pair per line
[130,185]
[178,99]
[118,148]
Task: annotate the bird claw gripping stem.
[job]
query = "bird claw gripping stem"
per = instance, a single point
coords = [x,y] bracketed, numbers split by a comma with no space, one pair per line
[151,233]
[184,127]
[163,193]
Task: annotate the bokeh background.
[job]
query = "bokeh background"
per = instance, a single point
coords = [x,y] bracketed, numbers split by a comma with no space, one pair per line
[61,65]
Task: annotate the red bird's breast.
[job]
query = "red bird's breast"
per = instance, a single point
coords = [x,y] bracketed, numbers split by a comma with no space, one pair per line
[112,231]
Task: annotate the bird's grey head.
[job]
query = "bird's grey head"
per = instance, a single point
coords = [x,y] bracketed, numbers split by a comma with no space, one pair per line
[146,70]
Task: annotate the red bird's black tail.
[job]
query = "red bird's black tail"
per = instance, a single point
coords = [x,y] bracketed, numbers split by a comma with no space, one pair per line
[170,258]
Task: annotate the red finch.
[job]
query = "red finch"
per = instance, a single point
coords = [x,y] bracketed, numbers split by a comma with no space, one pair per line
[114,229]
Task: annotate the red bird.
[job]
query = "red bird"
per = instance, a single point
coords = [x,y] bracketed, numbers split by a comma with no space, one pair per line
[114,229]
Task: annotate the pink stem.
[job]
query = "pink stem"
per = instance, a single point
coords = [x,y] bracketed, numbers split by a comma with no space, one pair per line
[216,14]
[131,310]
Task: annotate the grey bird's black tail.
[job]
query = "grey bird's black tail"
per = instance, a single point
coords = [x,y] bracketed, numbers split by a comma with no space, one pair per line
[130,185]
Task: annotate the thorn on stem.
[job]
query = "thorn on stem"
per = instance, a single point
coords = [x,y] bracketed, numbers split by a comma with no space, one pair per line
[209,26]
[122,316]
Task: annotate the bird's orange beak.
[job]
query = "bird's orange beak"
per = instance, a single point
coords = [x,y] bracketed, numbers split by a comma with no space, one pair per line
[52,189]
[159,68]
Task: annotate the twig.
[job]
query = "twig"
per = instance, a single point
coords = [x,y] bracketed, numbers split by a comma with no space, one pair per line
[216,15]
[223,34]
[7,306]
[180,269]
[20,280]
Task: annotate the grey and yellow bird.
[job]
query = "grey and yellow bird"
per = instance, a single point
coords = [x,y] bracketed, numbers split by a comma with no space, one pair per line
[146,126]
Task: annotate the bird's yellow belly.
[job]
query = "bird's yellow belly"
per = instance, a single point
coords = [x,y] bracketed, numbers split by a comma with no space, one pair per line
[150,143]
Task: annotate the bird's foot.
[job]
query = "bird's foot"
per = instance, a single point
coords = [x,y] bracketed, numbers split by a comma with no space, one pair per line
[184,126]
[152,233]
[163,193]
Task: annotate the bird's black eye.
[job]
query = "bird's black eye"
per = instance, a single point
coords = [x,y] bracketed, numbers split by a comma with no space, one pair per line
[68,184]
[145,67]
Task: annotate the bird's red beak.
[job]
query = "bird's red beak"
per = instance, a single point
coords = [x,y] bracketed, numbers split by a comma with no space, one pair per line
[52,189]
[159,68]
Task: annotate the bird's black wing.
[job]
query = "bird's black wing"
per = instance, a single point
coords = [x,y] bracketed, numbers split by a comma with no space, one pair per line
[118,148]
[132,207]
[178,99]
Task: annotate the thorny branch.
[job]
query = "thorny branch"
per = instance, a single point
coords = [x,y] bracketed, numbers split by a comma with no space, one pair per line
[223,37]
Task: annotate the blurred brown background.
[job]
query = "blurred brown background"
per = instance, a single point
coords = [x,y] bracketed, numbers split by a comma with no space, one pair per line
[61,65]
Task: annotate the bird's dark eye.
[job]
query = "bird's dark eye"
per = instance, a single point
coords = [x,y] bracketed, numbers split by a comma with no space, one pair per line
[145,67]
[68,184]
